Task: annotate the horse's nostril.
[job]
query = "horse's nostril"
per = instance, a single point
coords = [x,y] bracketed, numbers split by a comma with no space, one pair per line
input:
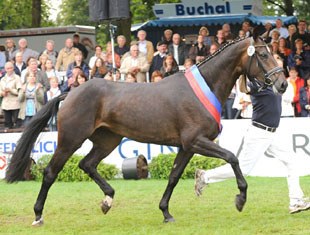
[283,87]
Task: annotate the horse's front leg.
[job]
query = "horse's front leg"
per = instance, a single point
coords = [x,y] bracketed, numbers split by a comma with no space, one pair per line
[179,165]
[206,147]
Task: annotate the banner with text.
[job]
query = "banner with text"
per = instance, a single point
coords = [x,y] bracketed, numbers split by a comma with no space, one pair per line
[208,7]
[293,131]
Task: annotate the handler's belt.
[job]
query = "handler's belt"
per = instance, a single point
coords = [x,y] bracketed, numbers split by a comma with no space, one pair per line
[264,127]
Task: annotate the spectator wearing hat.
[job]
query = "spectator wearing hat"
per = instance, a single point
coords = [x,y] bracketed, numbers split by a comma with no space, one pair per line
[158,59]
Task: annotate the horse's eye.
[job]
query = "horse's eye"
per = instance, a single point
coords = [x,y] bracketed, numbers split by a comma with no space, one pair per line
[264,55]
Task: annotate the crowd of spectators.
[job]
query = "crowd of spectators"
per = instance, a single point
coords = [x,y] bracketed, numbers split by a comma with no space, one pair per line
[30,78]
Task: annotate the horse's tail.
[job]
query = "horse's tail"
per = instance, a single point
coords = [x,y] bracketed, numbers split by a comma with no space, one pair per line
[21,156]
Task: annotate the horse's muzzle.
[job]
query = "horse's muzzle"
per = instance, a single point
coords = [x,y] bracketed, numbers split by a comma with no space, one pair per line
[282,87]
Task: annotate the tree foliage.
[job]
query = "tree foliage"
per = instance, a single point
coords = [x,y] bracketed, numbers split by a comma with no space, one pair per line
[74,12]
[142,10]
[19,15]
[299,8]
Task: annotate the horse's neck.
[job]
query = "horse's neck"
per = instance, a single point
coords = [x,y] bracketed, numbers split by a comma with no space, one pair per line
[222,72]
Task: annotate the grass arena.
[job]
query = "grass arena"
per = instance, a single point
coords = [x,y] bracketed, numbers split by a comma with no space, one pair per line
[73,208]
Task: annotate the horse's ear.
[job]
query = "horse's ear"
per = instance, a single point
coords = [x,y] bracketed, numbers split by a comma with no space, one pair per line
[255,33]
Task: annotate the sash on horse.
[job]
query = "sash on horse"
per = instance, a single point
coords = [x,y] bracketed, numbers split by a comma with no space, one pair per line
[204,93]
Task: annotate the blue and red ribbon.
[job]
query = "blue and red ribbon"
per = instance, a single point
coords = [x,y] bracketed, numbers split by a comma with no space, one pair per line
[204,94]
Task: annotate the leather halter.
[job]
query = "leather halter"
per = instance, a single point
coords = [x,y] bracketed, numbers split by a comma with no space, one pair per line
[267,74]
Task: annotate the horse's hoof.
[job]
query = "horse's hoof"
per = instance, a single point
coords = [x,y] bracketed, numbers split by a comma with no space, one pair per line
[169,220]
[240,201]
[37,223]
[106,204]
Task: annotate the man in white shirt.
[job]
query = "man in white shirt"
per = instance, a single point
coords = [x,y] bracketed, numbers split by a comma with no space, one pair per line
[282,30]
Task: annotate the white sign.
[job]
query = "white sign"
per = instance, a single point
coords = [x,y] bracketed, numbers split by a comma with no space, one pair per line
[208,7]
[296,132]
[47,143]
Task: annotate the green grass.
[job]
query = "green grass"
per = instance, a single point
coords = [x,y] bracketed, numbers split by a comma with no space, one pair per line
[73,208]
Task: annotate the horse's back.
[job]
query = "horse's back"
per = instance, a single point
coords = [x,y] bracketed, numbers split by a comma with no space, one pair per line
[149,112]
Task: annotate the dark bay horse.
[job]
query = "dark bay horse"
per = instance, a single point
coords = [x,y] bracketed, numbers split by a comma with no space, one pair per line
[167,112]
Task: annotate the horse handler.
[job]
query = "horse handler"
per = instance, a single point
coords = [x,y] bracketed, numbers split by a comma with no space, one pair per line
[260,137]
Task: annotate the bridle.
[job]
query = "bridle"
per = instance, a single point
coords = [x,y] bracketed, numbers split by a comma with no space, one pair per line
[267,74]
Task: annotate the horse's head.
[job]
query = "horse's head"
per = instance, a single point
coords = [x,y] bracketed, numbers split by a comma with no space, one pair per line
[262,66]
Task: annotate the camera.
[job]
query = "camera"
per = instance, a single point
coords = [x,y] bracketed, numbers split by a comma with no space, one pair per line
[113,28]
[297,57]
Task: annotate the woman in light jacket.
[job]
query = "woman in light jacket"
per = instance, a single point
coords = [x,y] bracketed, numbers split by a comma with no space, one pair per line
[9,86]
[31,98]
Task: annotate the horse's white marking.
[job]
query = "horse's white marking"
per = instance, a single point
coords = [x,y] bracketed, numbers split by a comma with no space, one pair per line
[37,223]
[108,201]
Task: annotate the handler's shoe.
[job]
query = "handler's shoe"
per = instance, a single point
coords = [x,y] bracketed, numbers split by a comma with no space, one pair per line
[301,205]
[200,182]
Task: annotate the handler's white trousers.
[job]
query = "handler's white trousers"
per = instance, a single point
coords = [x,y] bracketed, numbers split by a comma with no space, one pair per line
[256,142]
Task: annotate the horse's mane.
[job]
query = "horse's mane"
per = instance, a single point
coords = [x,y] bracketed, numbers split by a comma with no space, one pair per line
[222,48]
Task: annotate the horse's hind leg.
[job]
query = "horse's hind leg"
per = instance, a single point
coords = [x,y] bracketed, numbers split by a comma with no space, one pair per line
[179,165]
[104,142]
[60,157]
[206,147]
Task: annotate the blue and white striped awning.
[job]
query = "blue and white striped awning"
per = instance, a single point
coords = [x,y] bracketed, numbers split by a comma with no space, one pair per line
[214,20]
